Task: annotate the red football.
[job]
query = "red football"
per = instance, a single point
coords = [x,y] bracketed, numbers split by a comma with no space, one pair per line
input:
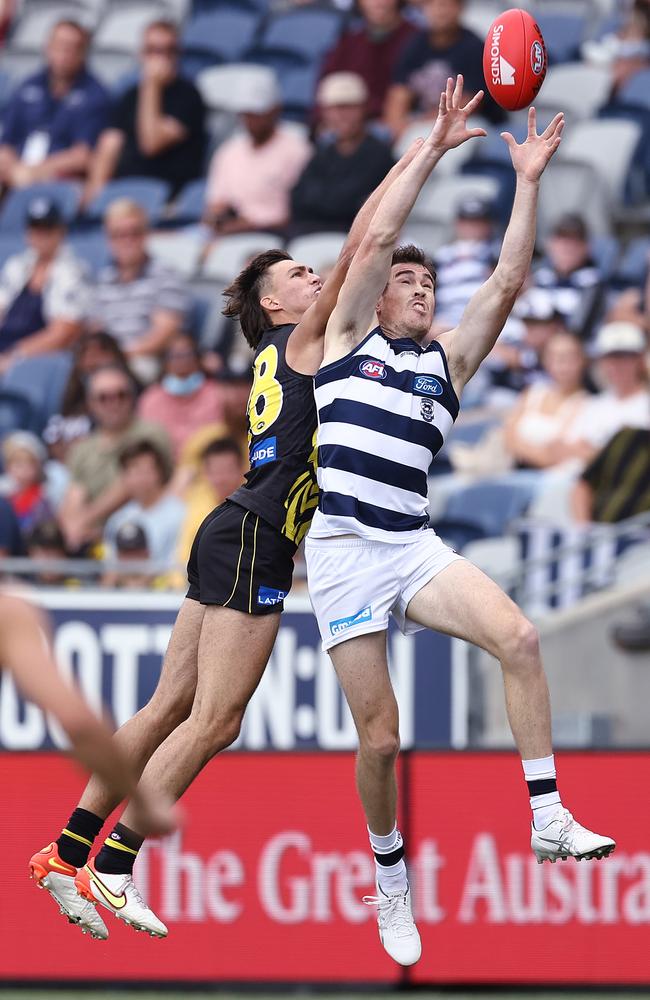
[514,59]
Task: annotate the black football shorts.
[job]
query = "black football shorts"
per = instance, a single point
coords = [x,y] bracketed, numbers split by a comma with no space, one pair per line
[240,561]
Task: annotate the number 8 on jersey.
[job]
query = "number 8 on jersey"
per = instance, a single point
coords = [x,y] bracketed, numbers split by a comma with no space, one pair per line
[265,400]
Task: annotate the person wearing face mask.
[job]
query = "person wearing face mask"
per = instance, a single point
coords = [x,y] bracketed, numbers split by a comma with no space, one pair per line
[184,400]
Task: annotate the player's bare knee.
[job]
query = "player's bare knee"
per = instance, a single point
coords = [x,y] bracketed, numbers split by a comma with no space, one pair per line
[381,741]
[520,645]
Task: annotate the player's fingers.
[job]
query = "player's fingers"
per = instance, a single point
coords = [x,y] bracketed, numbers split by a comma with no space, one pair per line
[450,92]
[532,123]
[553,125]
[509,139]
[476,133]
[472,105]
[458,90]
[442,107]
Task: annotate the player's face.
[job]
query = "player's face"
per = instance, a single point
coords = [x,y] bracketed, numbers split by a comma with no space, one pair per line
[407,303]
[293,288]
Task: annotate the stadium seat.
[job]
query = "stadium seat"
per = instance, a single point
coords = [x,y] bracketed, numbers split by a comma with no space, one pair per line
[16,413]
[179,249]
[226,33]
[308,33]
[317,250]
[608,145]
[633,268]
[568,185]
[121,29]
[298,86]
[563,34]
[42,380]
[10,244]
[428,235]
[230,254]
[151,194]
[17,65]
[483,510]
[90,246]
[636,91]
[14,208]
[33,27]
[606,251]
[440,196]
[188,206]
[221,86]
[576,88]
[206,321]
[116,70]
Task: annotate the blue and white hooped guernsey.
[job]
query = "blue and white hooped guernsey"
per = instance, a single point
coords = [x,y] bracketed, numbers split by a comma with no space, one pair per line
[384,411]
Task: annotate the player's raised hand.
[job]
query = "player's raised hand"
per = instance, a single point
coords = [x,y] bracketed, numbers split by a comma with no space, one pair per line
[450,129]
[531,157]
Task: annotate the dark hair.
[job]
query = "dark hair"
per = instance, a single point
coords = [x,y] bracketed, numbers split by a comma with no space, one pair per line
[408,253]
[45,535]
[244,293]
[221,446]
[73,401]
[69,22]
[146,447]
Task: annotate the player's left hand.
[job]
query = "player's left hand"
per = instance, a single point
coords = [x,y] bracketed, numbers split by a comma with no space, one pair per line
[450,129]
[531,157]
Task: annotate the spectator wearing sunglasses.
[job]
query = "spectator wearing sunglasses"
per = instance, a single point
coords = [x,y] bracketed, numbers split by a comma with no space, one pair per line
[158,125]
[96,485]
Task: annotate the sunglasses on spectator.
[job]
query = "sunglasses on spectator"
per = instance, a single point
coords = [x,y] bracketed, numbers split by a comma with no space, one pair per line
[126,234]
[160,50]
[118,396]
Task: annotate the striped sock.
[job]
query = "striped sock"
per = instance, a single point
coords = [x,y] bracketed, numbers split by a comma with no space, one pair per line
[119,851]
[77,837]
[389,860]
[542,787]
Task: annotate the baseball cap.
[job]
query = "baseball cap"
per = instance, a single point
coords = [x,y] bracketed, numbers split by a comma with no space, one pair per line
[341,88]
[536,306]
[130,537]
[475,208]
[571,225]
[257,92]
[623,338]
[44,213]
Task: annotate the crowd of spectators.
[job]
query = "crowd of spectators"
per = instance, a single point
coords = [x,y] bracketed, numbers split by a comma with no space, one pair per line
[149,430]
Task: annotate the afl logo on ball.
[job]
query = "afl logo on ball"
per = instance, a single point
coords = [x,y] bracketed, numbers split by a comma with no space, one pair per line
[537,58]
[373,369]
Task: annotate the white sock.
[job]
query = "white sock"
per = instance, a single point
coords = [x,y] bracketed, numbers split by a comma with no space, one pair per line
[392,877]
[544,797]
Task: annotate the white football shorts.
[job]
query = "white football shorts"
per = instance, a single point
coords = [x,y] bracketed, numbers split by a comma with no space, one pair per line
[356,583]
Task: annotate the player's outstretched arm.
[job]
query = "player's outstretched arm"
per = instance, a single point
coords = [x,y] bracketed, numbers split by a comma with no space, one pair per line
[24,654]
[370,268]
[483,320]
[305,345]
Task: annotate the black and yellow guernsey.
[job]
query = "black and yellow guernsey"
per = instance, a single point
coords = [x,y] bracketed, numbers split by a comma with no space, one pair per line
[281,485]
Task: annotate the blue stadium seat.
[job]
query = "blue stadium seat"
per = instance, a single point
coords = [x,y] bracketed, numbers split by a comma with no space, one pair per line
[148,192]
[226,33]
[14,208]
[563,34]
[298,87]
[190,203]
[16,413]
[10,244]
[483,510]
[90,246]
[309,33]
[41,380]
[636,91]
[633,268]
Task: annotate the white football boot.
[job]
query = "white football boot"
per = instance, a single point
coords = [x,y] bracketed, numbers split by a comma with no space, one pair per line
[397,930]
[51,872]
[565,838]
[120,895]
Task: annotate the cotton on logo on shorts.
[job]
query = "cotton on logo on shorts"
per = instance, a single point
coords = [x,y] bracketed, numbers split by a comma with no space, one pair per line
[341,624]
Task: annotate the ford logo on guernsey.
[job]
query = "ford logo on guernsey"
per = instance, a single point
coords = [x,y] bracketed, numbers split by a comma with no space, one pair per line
[428,385]
[373,369]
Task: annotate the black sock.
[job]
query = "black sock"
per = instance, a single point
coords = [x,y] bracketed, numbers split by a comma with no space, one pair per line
[119,851]
[77,837]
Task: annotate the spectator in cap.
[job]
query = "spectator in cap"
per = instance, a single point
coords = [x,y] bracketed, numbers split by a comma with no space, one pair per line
[251,174]
[619,350]
[131,546]
[96,486]
[138,299]
[23,460]
[146,471]
[184,400]
[54,117]
[465,264]
[43,291]
[157,128]
[371,48]
[444,49]
[348,164]
[515,362]
[569,277]
[45,541]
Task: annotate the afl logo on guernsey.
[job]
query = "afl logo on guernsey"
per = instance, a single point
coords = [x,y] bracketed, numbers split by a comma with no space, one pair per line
[373,369]
[427,385]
